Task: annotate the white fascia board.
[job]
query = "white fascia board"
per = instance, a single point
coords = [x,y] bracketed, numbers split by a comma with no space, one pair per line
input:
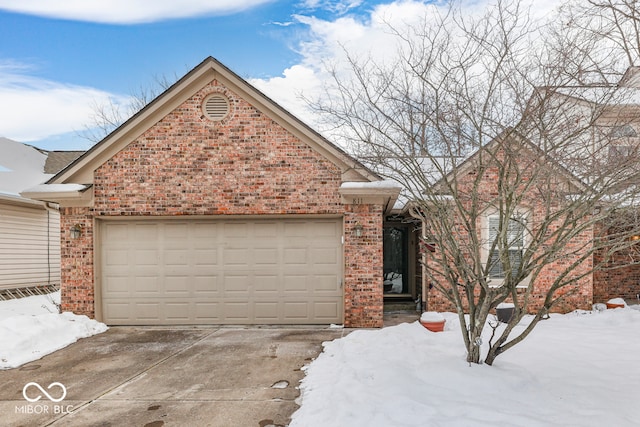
[55,192]
[16,199]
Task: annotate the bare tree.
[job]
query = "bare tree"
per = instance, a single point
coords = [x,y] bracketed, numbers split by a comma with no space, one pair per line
[110,114]
[501,131]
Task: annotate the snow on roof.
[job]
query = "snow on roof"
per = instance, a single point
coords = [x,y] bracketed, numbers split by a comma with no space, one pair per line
[21,166]
[609,95]
[384,184]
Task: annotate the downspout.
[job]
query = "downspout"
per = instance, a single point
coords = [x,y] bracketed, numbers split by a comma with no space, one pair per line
[49,209]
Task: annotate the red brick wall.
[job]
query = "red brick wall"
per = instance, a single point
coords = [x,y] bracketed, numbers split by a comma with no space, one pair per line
[579,295]
[245,165]
[618,277]
[77,262]
[363,297]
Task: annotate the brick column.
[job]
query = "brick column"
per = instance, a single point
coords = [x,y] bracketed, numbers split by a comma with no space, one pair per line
[77,284]
[363,293]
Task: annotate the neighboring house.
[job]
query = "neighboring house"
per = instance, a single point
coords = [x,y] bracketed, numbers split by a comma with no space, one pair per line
[618,126]
[214,205]
[29,230]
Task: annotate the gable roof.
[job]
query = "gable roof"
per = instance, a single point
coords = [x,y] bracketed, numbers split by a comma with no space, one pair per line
[80,171]
[58,160]
[512,136]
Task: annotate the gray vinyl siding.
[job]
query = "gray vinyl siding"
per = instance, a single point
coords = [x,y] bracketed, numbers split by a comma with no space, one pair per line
[29,246]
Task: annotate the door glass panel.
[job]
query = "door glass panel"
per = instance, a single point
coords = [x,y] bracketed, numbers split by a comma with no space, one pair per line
[395,260]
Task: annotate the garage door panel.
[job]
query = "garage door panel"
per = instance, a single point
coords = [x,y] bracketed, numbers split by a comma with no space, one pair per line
[237,311]
[145,257]
[296,256]
[117,311]
[265,256]
[236,257]
[145,234]
[297,310]
[208,312]
[118,285]
[145,286]
[321,256]
[117,257]
[207,257]
[323,284]
[326,310]
[296,283]
[221,272]
[266,312]
[204,231]
[119,235]
[296,229]
[265,229]
[205,286]
[147,311]
[177,311]
[326,229]
[265,284]
[177,286]
[236,230]
[176,231]
[236,284]
[176,257]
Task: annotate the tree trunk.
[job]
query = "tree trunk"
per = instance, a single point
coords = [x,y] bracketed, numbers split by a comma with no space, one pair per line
[473,354]
[494,352]
[473,349]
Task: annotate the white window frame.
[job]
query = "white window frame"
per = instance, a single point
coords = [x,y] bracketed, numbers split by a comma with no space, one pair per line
[521,216]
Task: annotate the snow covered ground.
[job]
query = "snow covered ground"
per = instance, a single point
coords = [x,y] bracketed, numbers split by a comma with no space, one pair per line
[31,328]
[579,369]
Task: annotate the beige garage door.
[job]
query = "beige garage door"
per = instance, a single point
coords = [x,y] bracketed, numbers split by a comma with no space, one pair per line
[221,272]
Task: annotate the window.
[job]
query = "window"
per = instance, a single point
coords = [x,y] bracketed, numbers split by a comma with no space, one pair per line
[623,131]
[620,152]
[515,246]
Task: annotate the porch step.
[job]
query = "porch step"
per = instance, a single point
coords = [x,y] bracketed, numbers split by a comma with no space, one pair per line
[399,306]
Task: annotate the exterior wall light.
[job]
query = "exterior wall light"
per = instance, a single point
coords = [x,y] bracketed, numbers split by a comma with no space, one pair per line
[357,229]
[635,238]
[76,231]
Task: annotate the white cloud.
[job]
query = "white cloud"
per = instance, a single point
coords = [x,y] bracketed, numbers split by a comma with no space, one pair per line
[328,40]
[127,11]
[295,82]
[32,108]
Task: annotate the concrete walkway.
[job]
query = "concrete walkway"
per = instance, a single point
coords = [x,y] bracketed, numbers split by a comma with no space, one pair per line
[156,377]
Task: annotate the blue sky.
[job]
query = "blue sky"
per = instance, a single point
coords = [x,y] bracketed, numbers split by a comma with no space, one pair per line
[59,58]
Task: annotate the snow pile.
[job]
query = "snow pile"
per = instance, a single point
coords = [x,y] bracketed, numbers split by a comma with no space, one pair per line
[31,328]
[431,316]
[577,369]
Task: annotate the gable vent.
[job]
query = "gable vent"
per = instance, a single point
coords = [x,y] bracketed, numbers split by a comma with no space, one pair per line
[215,107]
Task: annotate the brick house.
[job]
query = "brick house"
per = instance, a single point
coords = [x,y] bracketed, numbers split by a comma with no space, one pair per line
[477,182]
[214,205]
[618,125]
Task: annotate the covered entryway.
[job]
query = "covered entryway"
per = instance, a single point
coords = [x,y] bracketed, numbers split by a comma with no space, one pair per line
[236,271]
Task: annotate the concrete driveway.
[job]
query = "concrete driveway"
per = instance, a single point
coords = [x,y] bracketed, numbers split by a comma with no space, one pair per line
[133,376]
